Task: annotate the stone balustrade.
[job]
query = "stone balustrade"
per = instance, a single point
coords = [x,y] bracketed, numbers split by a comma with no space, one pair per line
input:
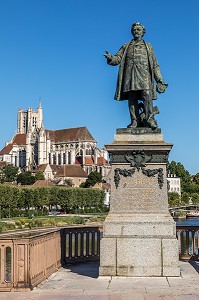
[29,257]
[188,238]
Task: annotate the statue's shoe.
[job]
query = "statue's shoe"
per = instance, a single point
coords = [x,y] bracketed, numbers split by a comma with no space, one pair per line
[133,124]
[152,124]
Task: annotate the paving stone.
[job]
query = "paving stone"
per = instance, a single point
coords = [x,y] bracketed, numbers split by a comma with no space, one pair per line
[74,284]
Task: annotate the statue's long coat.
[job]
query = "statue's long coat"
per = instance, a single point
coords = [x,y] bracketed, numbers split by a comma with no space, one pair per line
[120,57]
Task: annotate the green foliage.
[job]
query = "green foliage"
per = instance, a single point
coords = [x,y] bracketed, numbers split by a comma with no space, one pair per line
[97,219]
[26,178]
[174,199]
[193,187]
[173,195]
[39,176]
[185,199]
[179,170]
[195,198]
[68,182]
[6,226]
[92,179]
[195,178]
[9,173]
[22,221]
[189,184]
[9,197]
[56,221]
[25,201]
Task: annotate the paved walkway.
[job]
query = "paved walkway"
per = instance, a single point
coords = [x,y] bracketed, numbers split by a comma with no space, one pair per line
[81,282]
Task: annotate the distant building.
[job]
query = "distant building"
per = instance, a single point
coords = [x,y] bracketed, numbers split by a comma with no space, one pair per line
[174,183]
[106,187]
[33,145]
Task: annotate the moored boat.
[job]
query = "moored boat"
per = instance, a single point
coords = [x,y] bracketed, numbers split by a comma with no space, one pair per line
[192,214]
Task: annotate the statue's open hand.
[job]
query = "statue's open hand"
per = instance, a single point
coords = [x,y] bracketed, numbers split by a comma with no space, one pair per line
[107,55]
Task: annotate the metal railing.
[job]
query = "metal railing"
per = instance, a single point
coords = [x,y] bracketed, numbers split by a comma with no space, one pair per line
[81,244]
[188,238]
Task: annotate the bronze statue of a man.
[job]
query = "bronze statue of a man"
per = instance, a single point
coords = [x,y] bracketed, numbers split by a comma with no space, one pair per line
[138,71]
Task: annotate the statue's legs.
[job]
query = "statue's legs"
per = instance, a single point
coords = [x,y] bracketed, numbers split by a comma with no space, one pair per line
[133,109]
[149,111]
[148,108]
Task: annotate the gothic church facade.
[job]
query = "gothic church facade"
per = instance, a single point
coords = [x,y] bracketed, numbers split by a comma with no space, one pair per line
[33,145]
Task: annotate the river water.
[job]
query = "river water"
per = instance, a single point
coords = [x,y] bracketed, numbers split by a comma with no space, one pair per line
[189,221]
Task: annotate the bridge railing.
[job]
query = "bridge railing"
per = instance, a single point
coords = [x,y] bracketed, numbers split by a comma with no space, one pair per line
[29,257]
[188,238]
[81,244]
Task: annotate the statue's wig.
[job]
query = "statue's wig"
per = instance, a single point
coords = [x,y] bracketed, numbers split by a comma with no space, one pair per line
[138,24]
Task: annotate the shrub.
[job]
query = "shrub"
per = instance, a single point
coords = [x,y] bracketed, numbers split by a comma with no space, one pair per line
[22,221]
[6,226]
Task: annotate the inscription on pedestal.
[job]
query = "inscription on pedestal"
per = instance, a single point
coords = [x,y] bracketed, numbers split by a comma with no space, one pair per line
[137,193]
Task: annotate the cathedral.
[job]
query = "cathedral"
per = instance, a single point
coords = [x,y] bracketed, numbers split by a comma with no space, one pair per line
[33,145]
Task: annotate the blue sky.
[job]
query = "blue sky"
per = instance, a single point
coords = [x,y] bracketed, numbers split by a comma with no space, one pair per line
[53,49]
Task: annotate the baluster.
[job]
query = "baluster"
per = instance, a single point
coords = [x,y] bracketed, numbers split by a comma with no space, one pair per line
[187,242]
[198,245]
[93,244]
[98,242]
[87,243]
[70,245]
[76,244]
[193,242]
[181,239]
[81,244]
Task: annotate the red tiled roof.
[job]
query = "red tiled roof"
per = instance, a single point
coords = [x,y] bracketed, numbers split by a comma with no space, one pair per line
[43,183]
[55,168]
[6,149]
[70,135]
[19,139]
[102,186]
[71,171]
[101,161]
[41,168]
[89,160]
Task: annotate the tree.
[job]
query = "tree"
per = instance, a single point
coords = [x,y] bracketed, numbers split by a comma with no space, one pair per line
[26,178]
[174,199]
[39,176]
[68,182]
[195,178]
[92,179]
[185,198]
[9,173]
[179,170]
[195,198]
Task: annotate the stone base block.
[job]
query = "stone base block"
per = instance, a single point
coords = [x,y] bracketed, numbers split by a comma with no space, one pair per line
[139,225]
[139,257]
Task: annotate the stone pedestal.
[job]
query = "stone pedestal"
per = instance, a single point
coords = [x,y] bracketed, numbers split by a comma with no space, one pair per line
[139,235]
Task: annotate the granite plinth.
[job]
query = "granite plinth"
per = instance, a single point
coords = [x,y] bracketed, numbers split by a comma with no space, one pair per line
[139,256]
[139,235]
[137,130]
[138,134]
